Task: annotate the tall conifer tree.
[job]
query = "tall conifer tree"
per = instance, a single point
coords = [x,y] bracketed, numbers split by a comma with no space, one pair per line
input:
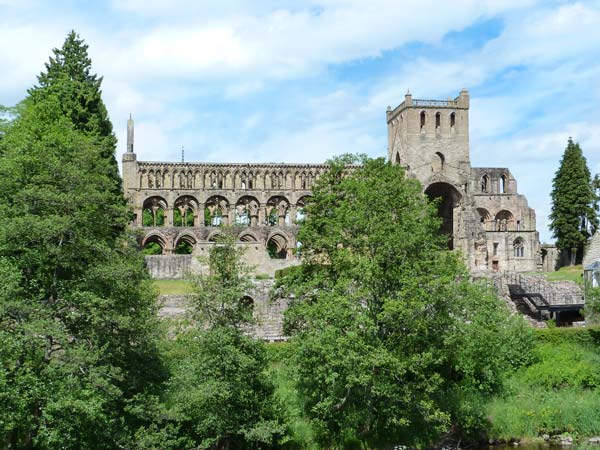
[573,217]
[69,77]
[77,315]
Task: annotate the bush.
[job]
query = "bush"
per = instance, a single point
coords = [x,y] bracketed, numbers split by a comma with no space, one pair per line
[559,393]
[562,366]
[588,337]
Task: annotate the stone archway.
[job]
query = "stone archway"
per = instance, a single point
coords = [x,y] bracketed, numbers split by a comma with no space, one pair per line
[449,199]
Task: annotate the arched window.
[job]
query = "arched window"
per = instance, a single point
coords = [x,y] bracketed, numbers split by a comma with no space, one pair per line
[504,220]
[277,247]
[485,183]
[437,163]
[247,303]
[452,120]
[277,210]
[519,248]
[247,237]
[484,217]
[153,214]
[153,245]
[438,120]
[183,214]
[423,116]
[216,211]
[502,184]
[185,245]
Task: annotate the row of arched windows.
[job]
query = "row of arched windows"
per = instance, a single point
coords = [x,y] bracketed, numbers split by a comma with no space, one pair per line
[277,179]
[502,221]
[217,211]
[438,119]
[486,185]
[277,246]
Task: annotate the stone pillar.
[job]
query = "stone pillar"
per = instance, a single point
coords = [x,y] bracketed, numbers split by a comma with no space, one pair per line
[262,214]
[293,213]
[139,217]
[169,217]
[200,217]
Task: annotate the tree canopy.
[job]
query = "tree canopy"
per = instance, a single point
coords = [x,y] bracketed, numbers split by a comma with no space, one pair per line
[77,311]
[69,78]
[392,342]
[573,217]
[219,395]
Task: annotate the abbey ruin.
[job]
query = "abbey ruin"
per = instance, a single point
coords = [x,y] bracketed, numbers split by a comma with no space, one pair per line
[180,207]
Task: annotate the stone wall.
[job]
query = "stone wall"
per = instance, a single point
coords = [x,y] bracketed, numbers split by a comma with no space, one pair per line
[268,314]
[592,252]
[171,266]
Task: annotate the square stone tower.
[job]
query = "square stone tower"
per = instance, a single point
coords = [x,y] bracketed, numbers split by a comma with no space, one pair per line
[482,213]
[428,137]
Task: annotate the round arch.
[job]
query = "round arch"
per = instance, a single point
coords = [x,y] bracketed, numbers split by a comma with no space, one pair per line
[153,211]
[186,210]
[484,217]
[278,208]
[216,211]
[246,211]
[278,246]
[447,198]
[504,220]
[248,237]
[214,236]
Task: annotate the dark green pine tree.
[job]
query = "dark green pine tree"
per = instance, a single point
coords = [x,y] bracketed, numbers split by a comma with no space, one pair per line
[573,217]
[77,309]
[68,77]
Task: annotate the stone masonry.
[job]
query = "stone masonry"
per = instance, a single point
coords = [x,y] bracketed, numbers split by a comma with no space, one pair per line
[483,214]
[179,208]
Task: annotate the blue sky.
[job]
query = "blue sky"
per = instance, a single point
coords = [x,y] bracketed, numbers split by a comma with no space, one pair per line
[295,81]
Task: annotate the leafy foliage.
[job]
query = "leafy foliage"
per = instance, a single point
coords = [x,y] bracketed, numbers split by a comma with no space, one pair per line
[573,216]
[69,78]
[218,295]
[219,395]
[77,313]
[391,339]
[556,394]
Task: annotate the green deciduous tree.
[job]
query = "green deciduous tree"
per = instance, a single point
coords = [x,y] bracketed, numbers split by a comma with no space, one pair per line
[77,311]
[393,345]
[573,217]
[219,394]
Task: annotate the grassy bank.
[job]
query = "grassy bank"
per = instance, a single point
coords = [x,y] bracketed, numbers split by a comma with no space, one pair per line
[558,393]
[282,376]
[570,273]
[173,287]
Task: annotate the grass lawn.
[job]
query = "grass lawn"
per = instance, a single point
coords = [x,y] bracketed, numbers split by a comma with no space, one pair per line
[571,273]
[172,287]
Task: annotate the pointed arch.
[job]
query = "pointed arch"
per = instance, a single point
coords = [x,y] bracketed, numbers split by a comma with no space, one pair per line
[184,244]
[153,244]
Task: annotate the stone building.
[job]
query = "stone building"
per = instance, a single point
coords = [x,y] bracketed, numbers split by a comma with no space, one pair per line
[179,207]
[483,214]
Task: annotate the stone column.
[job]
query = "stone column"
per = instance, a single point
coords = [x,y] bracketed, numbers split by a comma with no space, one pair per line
[169,217]
[200,217]
[262,214]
